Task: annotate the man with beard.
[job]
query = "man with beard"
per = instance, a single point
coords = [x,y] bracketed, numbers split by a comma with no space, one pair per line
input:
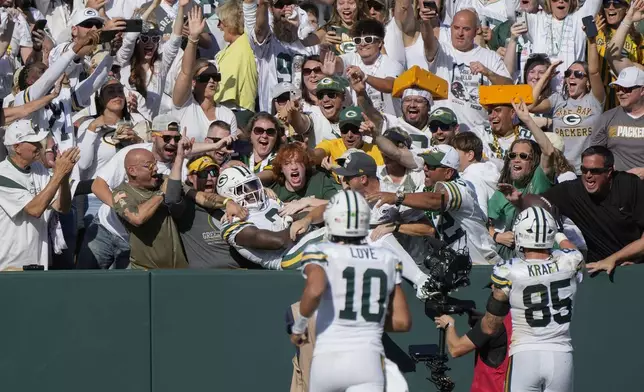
[106,241]
[527,169]
[274,50]
[351,129]
[200,227]
[604,203]
[462,222]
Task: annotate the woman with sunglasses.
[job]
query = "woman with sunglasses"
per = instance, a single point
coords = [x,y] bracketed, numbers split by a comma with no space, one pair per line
[265,134]
[196,85]
[101,136]
[145,63]
[311,75]
[575,110]
[558,31]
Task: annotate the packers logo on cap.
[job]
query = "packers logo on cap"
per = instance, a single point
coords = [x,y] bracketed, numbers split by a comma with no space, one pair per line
[326,81]
[90,12]
[351,114]
[439,112]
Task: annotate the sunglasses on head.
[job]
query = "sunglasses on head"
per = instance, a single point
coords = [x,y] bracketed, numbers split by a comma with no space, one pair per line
[577,74]
[88,24]
[212,171]
[207,77]
[308,71]
[330,94]
[269,131]
[146,38]
[594,170]
[524,156]
[626,90]
[367,39]
[443,127]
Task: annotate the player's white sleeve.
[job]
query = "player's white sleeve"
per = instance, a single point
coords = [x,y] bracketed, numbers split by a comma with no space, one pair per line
[410,270]
[501,278]
[454,196]
[572,259]
[313,255]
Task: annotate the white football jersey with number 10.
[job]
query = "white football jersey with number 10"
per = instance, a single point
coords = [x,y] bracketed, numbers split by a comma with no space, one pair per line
[352,312]
[541,296]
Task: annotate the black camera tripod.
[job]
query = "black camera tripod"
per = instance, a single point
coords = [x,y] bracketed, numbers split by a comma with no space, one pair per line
[436,360]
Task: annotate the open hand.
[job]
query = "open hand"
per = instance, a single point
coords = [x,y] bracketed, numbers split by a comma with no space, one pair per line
[66,161]
[299,227]
[478,68]
[381,198]
[636,11]
[196,23]
[511,193]
[328,65]
[381,231]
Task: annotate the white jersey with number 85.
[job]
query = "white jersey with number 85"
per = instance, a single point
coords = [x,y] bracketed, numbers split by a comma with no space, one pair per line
[354,305]
[541,296]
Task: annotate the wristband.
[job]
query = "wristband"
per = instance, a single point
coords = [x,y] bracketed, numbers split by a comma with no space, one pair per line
[397,228]
[448,325]
[226,201]
[496,233]
[560,237]
[193,41]
[300,325]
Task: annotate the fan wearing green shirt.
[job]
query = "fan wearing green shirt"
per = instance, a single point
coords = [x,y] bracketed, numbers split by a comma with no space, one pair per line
[297,183]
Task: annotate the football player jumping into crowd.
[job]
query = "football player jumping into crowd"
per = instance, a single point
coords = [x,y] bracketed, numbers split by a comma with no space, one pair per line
[539,289]
[356,291]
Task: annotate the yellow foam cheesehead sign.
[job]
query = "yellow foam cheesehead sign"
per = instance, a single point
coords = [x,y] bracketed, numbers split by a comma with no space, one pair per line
[417,77]
[505,94]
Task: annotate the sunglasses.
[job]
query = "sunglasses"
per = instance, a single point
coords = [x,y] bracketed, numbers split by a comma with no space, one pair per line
[146,38]
[213,172]
[432,167]
[375,5]
[577,74]
[626,90]
[308,71]
[283,98]
[88,24]
[352,129]
[594,170]
[330,94]
[367,39]
[616,4]
[214,139]
[149,165]
[260,131]
[167,138]
[434,127]
[112,90]
[206,77]
[524,156]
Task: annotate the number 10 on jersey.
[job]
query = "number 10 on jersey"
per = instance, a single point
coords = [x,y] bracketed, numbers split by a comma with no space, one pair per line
[348,313]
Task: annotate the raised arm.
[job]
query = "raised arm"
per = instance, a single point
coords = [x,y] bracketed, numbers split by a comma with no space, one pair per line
[427,31]
[618,62]
[594,70]
[17,112]
[183,85]
[547,149]
[150,10]
[542,104]
[82,94]
[405,16]
[262,28]
[510,58]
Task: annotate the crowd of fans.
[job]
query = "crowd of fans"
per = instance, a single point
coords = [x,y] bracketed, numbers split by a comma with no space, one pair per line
[118,117]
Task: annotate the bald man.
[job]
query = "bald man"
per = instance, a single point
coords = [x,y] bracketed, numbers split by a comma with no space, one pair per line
[464,65]
[146,206]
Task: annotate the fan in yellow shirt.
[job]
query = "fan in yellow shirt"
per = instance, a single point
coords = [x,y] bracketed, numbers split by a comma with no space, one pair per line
[613,14]
[351,137]
[236,62]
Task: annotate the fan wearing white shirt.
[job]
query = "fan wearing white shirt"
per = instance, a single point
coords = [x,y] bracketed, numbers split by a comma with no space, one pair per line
[196,86]
[465,65]
[376,69]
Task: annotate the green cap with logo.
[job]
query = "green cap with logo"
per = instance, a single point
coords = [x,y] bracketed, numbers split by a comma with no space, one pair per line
[444,116]
[441,155]
[351,115]
[330,83]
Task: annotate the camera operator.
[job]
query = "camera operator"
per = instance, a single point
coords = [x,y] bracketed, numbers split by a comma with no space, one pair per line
[491,361]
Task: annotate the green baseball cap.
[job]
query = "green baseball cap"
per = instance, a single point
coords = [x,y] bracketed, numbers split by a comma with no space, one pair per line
[441,155]
[351,115]
[330,83]
[444,116]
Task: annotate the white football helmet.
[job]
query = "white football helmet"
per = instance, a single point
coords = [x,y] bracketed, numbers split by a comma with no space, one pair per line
[347,215]
[534,228]
[243,187]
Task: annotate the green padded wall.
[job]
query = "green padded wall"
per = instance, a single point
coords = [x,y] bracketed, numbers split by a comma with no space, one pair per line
[75,331]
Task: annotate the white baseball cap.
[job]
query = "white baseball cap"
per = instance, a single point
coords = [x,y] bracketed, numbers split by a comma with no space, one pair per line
[441,155]
[283,88]
[630,77]
[165,122]
[84,14]
[23,131]
[411,92]
[556,140]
